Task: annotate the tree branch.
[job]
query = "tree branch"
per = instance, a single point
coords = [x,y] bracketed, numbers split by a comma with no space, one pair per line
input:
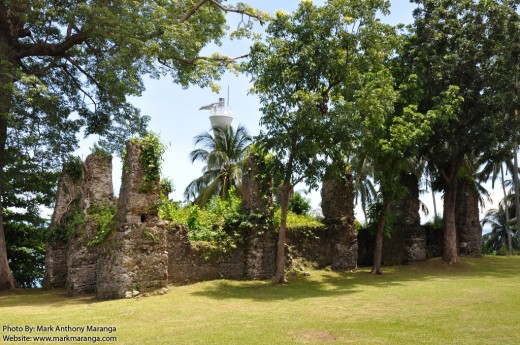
[79,87]
[41,71]
[226,9]
[49,49]
[192,11]
[85,73]
[224,60]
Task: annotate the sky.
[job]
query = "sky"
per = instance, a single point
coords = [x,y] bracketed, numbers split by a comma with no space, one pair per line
[175,116]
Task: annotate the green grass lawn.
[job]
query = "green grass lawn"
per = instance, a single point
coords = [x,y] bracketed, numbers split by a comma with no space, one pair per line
[475,302]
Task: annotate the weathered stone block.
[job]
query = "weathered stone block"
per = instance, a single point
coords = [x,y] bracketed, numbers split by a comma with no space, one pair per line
[134,257]
[407,242]
[337,204]
[67,201]
[97,191]
[257,202]
[200,261]
[467,222]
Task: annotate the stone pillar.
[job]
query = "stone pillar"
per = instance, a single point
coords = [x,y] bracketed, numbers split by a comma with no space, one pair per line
[467,222]
[97,194]
[407,243]
[337,204]
[134,256]
[257,202]
[67,207]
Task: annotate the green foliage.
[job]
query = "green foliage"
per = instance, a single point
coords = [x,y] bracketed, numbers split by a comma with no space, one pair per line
[152,150]
[298,220]
[25,238]
[299,205]
[166,186]
[219,221]
[67,67]
[437,224]
[99,151]
[222,153]
[150,235]
[496,241]
[173,211]
[30,179]
[102,217]
[74,168]
[68,224]
[375,212]
[265,166]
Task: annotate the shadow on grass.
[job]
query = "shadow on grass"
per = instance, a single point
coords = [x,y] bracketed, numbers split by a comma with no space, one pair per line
[42,297]
[330,284]
[319,284]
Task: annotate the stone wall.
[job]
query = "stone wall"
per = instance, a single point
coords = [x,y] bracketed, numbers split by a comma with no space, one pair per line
[257,202]
[97,192]
[411,242]
[337,204]
[407,242]
[467,222]
[145,253]
[199,261]
[134,256]
[68,198]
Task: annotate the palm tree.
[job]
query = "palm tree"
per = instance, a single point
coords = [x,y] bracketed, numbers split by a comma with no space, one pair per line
[493,167]
[222,152]
[500,228]
[364,189]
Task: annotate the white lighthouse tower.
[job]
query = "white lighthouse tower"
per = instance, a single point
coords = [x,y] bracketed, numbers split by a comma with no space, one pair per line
[220,114]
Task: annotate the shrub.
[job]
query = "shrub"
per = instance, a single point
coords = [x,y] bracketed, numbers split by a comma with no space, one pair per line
[216,222]
[298,221]
[299,205]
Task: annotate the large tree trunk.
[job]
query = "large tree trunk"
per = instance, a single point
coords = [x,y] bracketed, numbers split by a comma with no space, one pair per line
[378,249]
[449,254]
[280,256]
[7,280]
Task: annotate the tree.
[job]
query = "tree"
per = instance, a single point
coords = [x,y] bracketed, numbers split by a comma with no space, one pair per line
[364,188]
[65,57]
[390,130]
[299,204]
[450,46]
[500,227]
[504,75]
[223,153]
[306,74]
[492,169]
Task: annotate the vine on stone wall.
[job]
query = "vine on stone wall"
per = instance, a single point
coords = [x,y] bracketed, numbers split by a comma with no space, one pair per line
[68,224]
[152,150]
[102,217]
[73,167]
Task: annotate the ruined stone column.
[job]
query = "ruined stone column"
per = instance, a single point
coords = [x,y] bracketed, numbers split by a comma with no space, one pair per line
[337,204]
[407,243]
[67,213]
[134,256]
[257,202]
[467,222]
[97,197]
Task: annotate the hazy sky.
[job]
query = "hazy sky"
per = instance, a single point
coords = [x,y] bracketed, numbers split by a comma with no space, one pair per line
[175,115]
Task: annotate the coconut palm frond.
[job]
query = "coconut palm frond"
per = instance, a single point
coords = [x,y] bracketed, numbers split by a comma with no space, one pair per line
[223,152]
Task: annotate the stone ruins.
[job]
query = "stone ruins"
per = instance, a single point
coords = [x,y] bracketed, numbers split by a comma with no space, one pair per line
[143,254]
